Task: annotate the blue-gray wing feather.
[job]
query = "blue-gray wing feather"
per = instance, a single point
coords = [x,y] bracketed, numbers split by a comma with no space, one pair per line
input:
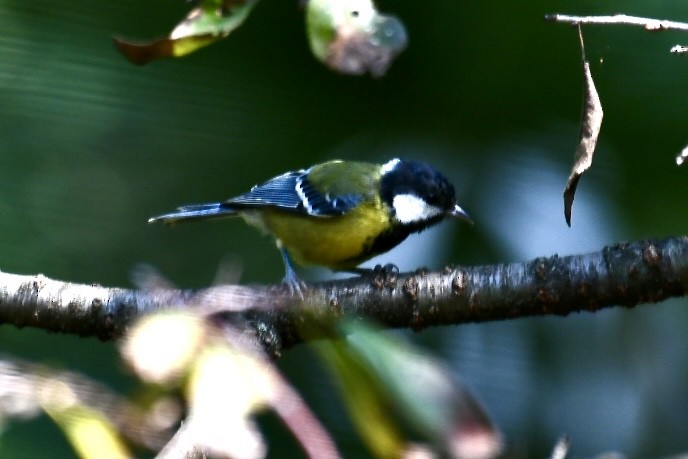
[278,192]
[293,192]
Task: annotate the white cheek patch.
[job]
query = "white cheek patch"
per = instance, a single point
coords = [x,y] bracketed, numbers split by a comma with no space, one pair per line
[410,209]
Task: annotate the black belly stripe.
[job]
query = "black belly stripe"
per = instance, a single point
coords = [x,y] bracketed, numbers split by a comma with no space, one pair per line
[389,239]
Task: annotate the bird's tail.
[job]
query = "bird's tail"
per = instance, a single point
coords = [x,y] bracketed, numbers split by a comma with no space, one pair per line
[195,212]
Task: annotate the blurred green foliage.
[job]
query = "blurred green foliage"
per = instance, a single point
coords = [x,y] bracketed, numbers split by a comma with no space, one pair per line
[91,146]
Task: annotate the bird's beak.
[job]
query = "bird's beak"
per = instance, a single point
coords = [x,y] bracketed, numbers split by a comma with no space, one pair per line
[459,213]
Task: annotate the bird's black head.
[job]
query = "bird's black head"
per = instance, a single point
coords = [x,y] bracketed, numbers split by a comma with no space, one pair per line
[418,193]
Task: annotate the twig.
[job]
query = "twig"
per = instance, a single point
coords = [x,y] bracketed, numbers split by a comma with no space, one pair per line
[619,19]
[653,25]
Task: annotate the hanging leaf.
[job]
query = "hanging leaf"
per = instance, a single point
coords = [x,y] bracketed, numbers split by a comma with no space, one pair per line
[351,37]
[591,124]
[211,21]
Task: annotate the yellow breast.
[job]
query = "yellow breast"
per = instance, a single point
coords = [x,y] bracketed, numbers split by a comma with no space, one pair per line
[336,242]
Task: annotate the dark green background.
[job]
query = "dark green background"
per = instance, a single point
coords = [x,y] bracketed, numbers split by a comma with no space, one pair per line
[91,146]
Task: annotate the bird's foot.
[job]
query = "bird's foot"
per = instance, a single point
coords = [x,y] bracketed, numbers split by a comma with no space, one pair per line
[386,275]
[295,285]
[380,275]
[291,280]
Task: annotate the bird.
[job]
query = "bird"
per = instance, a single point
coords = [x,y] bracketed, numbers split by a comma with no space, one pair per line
[337,214]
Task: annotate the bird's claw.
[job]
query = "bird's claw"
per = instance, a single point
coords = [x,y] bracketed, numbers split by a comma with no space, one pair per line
[291,280]
[295,285]
[389,270]
[385,275]
[380,275]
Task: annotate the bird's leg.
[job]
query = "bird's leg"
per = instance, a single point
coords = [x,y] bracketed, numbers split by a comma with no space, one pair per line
[291,280]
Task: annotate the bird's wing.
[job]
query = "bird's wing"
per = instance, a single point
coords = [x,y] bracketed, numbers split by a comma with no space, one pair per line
[294,192]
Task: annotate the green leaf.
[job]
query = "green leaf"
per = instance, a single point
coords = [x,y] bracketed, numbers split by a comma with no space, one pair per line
[425,393]
[365,399]
[91,434]
[213,20]
[351,37]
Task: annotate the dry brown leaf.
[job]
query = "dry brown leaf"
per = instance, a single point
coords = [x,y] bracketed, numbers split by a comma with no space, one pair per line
[591,122]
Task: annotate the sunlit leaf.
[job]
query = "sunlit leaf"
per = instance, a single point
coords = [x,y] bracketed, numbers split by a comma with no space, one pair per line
[591,123]
[225,389]
[233,379]
[351,37]
[428,396]
[161,347]
[89,431]
[205,24]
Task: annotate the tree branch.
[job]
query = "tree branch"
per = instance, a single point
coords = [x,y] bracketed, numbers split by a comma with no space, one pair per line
[625,274]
